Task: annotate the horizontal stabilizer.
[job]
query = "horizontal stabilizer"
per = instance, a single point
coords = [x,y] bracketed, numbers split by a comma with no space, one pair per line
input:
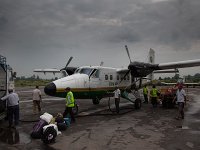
[47,70]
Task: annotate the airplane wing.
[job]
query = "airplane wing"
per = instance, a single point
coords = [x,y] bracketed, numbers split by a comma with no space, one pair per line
[140,69]
[179,64]
[167,71]
[47,70]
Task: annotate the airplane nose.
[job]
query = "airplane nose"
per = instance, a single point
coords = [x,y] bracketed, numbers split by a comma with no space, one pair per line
[50,89]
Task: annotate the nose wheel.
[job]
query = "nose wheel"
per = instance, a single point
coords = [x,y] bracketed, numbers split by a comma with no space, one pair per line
[96,101]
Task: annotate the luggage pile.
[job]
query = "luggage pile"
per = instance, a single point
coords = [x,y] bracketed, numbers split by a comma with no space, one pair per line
[48,127]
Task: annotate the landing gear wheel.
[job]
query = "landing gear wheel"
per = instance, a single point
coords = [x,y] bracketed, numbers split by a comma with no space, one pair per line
[138,103]
[96,101]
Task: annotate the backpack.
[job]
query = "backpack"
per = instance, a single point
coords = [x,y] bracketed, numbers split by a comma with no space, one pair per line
[38,129]
[62,126]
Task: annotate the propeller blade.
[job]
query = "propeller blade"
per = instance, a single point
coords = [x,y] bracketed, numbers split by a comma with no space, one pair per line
[70,59]
[128,52]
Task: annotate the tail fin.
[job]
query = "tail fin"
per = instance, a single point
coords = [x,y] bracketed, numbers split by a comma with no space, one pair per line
[151,60]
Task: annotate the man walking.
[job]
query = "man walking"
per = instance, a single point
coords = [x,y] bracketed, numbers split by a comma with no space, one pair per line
[145,93]
[70,103]
[181,100]
[117,94]
[37,98]
[12,108]
[154,96]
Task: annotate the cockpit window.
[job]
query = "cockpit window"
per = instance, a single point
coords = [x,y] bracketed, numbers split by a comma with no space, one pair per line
[85,71]
[77,71]
[95,73]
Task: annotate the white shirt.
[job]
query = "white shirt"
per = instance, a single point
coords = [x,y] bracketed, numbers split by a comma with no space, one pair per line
[12,99]
[180,94]
[117,93]
[36,94]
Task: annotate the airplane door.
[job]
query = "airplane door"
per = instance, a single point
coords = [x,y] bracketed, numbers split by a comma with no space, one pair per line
[94,79]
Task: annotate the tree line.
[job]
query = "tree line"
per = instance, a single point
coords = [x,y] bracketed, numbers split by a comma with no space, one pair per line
[188,79]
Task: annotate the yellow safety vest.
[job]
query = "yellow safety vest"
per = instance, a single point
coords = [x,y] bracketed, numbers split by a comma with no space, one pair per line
[154,92]
[145,91]
[70,99]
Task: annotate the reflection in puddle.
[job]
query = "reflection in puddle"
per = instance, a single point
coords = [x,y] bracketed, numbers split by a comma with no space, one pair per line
[11,136]
[183,127]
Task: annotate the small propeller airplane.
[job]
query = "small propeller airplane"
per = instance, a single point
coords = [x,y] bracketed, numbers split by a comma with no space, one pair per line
[96,82]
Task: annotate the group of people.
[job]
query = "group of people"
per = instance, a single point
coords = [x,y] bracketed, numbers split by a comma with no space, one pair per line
[13,102]
[153,95]
[13,105]
[180,98]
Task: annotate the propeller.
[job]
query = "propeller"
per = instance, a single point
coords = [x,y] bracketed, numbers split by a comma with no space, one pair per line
[126,47]
[70,59]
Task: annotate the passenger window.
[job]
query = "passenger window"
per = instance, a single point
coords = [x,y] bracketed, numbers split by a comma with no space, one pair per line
[106,77]
[111,77]
[117,77]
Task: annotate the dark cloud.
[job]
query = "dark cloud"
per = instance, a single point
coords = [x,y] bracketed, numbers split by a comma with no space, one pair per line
[44,28]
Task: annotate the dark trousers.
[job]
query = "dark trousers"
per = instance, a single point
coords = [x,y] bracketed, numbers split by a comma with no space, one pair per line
[117,104]
[36,104]
[68,110]
[181,109]
[13,112]
[145,98]
[154,102]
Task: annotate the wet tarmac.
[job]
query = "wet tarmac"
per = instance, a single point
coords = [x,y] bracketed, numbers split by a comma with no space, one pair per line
[98,128]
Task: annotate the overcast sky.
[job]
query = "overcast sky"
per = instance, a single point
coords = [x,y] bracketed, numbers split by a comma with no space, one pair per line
[45,33]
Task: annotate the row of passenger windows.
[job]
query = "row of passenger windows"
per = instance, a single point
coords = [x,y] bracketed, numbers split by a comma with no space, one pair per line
[118,77]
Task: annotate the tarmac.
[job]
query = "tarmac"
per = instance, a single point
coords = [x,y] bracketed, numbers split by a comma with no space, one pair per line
[97,128]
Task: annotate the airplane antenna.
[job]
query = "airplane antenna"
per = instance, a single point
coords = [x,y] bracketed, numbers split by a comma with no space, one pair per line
[101,64]
[128,52]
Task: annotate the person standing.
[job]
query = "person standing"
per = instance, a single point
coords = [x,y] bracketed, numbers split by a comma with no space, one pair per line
[154,96]
[70,103]
[145,93]
[37,98]
[12,108]
[117,94]
[181,100]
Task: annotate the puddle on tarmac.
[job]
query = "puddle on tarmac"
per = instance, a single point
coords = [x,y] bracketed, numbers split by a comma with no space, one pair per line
[183,127]
[12,136]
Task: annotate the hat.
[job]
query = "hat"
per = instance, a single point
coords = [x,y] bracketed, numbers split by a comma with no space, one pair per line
[67,88]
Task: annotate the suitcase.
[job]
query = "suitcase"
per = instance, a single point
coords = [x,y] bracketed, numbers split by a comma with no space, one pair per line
[49,135]
[38,129]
